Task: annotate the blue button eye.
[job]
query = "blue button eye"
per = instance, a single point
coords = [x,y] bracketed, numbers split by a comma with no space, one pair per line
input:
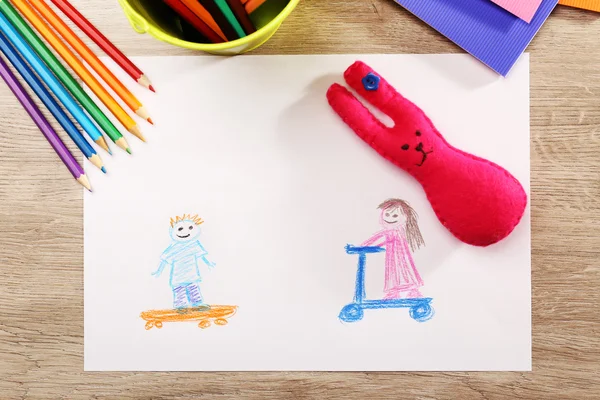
[371,82]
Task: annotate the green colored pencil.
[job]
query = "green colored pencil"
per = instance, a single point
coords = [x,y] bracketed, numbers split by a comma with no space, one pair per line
[63,75]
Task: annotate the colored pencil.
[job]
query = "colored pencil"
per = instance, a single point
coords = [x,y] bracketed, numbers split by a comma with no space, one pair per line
[49,133]
[65,77]
[224,7]
[205,16]
[252,5]
[196,22]
[40,90]
[240,13]
[216,13]
[110,49]
[78,67]
[84,52]
[44,73]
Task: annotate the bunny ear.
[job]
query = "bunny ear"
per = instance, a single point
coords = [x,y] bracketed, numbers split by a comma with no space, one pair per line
[356,116]
[377,91]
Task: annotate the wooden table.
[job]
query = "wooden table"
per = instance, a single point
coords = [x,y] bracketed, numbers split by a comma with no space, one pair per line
[41,235]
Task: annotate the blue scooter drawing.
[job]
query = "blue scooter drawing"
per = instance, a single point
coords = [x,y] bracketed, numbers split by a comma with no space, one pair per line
[419,308]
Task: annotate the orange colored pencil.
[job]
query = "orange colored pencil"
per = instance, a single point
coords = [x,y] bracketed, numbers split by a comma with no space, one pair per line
[78,67]
[252,5]
[196,8]
[89,57]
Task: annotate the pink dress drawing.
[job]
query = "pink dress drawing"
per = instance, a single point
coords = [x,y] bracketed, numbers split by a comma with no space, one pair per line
[402,280]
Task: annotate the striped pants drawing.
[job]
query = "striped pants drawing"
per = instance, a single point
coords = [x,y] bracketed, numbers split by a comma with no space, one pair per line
[187,295]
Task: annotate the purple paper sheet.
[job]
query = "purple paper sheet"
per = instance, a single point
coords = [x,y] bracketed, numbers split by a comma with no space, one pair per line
[487,31]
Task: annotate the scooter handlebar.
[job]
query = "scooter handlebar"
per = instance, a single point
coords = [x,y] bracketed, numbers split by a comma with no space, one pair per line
[350,249]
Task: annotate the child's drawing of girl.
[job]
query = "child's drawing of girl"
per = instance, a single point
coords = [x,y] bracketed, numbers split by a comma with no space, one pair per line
[400,235]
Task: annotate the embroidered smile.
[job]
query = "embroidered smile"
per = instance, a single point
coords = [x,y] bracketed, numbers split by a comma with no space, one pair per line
[420,148]
[183,237]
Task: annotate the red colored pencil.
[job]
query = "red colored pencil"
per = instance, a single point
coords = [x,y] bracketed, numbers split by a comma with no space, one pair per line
[193,19]
[242,16]
[105,44]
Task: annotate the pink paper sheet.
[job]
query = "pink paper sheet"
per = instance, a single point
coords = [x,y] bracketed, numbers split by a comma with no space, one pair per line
[524,9]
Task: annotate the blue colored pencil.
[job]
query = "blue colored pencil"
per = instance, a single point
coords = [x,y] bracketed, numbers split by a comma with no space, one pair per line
[36,115]
[49,79]
[38,87]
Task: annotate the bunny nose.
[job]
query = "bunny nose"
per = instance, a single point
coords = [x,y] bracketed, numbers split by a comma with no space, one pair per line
[419,147]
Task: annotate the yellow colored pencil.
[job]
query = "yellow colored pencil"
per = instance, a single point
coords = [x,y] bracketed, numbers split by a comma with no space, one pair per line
[90,58]
[78,67]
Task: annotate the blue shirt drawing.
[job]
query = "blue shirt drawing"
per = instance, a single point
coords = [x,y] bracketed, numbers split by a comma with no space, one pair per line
[183,259]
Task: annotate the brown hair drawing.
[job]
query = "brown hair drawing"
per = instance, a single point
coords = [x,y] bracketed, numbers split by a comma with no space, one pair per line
[413,233]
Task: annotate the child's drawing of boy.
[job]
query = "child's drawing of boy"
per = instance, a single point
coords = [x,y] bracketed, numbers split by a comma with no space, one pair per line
[183,256]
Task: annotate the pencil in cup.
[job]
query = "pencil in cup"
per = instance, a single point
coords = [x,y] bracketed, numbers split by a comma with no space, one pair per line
[49,133]
[194,20]
[77,66]
[44,73]
[40,90]
[93,61]
[242,15]
[197,9]
[102,42]
[252,5]
[67,80]
[213,8]
[229,14]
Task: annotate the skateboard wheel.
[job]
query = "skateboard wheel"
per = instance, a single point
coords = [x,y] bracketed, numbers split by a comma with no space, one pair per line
[158,324]
[204,324]
[221,321]
[149,325]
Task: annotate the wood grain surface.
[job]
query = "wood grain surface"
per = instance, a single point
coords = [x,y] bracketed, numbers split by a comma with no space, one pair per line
[41,233]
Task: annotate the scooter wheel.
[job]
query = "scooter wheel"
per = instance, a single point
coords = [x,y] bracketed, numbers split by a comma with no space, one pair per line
[351,313]
[422,312]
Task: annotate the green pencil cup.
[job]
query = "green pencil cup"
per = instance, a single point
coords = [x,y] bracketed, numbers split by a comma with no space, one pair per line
[157,19]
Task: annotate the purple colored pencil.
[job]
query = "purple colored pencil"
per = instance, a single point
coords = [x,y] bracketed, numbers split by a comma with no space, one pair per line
[42,123]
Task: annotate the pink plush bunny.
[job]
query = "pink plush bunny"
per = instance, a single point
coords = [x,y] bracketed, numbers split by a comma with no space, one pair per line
[478,201]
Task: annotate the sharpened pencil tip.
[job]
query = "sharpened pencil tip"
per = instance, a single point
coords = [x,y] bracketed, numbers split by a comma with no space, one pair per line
[135,130]
[83,180]
[150,120]
[103,169]
[122,143]
[152,88]
[102,143]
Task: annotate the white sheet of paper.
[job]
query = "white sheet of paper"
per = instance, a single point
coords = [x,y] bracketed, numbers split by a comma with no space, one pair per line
[251,145]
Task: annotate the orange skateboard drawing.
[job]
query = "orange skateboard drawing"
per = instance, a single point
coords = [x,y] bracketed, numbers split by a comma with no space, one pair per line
[205,315]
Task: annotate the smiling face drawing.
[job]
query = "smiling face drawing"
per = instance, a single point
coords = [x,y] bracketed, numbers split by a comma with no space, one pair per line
[398,215]
[392,217]
[185,228]
[184,231]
